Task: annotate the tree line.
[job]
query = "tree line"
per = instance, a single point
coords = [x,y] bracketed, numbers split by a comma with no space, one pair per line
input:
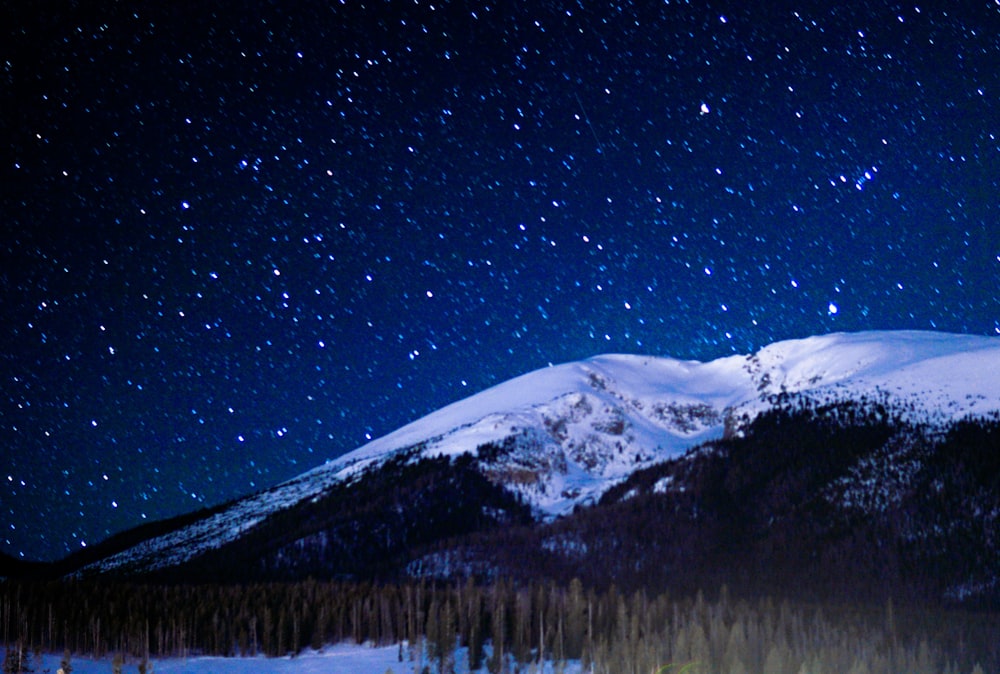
[503,627]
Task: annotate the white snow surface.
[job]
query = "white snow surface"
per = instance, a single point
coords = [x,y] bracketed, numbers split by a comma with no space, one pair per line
[905,362]
[910,364]
[335,659]
[586,425]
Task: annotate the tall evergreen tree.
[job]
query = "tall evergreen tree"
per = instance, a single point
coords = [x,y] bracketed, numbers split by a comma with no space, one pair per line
[498,632]
[64,663]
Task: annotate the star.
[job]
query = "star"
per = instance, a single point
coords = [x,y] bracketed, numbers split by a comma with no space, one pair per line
[249,242]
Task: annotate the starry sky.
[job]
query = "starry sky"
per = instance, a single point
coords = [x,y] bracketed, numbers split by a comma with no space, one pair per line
[237,242]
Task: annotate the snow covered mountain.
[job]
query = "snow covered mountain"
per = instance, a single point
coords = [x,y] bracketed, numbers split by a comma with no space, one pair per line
[562,436]
[585,425]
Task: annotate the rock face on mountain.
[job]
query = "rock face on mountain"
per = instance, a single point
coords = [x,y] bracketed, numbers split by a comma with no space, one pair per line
[543,458]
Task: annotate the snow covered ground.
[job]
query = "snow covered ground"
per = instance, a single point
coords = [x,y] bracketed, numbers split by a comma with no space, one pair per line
[339,659]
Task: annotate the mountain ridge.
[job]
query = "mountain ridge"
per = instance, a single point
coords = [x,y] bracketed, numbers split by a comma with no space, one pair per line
[570,432]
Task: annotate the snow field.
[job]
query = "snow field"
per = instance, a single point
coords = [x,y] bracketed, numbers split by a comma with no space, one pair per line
[336,659]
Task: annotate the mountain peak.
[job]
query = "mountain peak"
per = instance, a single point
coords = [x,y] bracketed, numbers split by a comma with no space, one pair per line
[941,366]
[561,436]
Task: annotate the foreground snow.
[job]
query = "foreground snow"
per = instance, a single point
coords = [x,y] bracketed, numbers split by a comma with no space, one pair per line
[339,659]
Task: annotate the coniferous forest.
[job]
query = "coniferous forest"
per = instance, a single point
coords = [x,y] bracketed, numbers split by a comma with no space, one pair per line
[505,627]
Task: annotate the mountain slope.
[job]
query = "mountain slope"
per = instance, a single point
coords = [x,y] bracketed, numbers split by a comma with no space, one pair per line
[562,436]
[837,501]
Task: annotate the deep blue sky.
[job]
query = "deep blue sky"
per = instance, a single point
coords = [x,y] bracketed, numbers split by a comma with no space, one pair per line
[235,244]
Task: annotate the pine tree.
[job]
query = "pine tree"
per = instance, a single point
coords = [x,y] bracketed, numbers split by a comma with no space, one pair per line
[576,619]
[521,634]
[17,659]
[805,668]
[475,641]
[700,651]
[736,666]
[681,648]
[64,665]
[776,661]
[859,667]
[925,661]
[498,632]
[735,653]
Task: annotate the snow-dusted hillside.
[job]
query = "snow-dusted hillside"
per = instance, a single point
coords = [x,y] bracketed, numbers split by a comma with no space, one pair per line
[563,435]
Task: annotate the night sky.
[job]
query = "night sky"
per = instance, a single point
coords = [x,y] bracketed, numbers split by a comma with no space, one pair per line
[238,243]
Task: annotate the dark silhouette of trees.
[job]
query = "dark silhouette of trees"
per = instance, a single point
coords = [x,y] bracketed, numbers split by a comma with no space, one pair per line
[610,630]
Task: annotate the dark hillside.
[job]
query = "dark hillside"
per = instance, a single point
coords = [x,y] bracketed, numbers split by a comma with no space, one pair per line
[366,528]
